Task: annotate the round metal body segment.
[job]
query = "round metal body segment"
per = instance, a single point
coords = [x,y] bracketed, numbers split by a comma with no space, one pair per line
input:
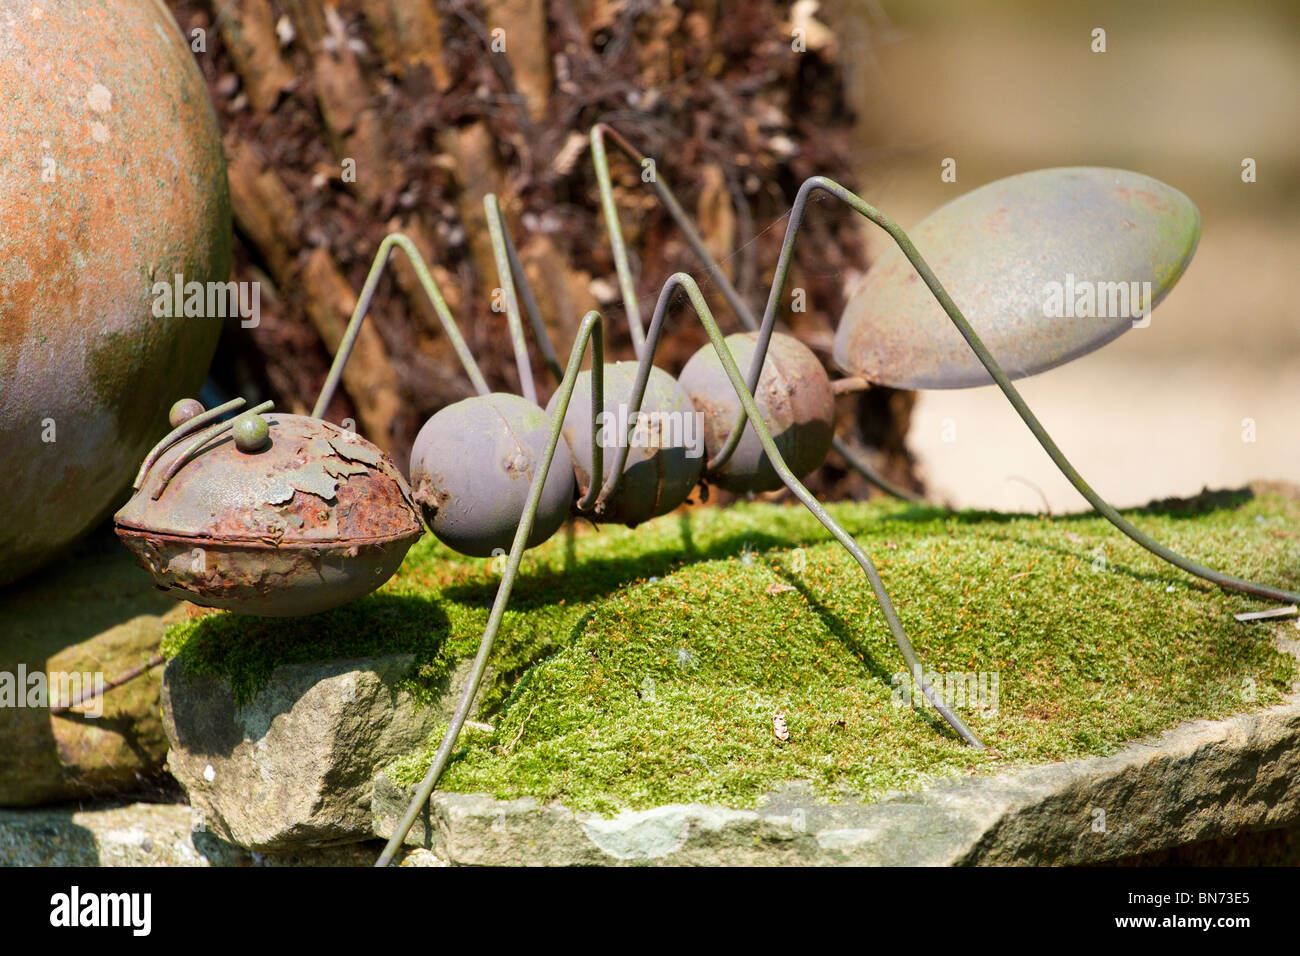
[112,184]
[315,518]
[666,453]
[472,466]
[1047,266]
[794,395]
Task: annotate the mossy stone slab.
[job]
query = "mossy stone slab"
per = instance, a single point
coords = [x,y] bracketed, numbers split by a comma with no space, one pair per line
[91,612]
[1203,781]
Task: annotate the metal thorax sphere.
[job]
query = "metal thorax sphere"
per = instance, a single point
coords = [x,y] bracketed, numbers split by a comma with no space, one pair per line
[1046,266]
[666,451]
[112,181]
[794,395]
[472,466]
[315,518]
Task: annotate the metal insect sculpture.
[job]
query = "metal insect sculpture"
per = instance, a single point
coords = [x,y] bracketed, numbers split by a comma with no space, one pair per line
[289,514]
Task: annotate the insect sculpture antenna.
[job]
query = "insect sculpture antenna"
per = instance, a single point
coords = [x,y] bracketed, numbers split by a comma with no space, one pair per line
[508,265]
[475,514]
[505,277]
[516,266]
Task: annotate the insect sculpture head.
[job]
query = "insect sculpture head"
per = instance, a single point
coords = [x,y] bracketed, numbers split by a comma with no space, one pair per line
[269,514]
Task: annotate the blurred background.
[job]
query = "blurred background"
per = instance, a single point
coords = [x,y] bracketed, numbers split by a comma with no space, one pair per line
[1184,92]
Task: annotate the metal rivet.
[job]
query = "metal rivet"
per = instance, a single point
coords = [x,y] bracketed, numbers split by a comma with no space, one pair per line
[183,411]
[251,432]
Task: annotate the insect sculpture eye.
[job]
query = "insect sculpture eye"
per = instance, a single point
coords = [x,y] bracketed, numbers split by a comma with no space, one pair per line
[183,411]
[471,468]
[251,433]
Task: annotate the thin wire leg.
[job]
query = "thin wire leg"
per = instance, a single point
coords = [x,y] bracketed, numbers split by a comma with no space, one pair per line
[861,206]
[626,285]
[396,241]
[534,314]
[692,289]
[986,358]
[589,499]
[590,329]
[496,229]
[858,464]
[737,302]
[751,412]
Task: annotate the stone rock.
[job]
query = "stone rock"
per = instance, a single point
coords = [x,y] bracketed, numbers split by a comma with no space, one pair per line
[145,834]
[95,613]
[1221,781]
[294,766]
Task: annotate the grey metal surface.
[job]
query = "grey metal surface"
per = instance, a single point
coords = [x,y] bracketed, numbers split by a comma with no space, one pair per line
[471,467]
[794,395]
[655,479]
[1009,253]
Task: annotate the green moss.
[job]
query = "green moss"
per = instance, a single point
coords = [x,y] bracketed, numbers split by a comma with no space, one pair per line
[640,667]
